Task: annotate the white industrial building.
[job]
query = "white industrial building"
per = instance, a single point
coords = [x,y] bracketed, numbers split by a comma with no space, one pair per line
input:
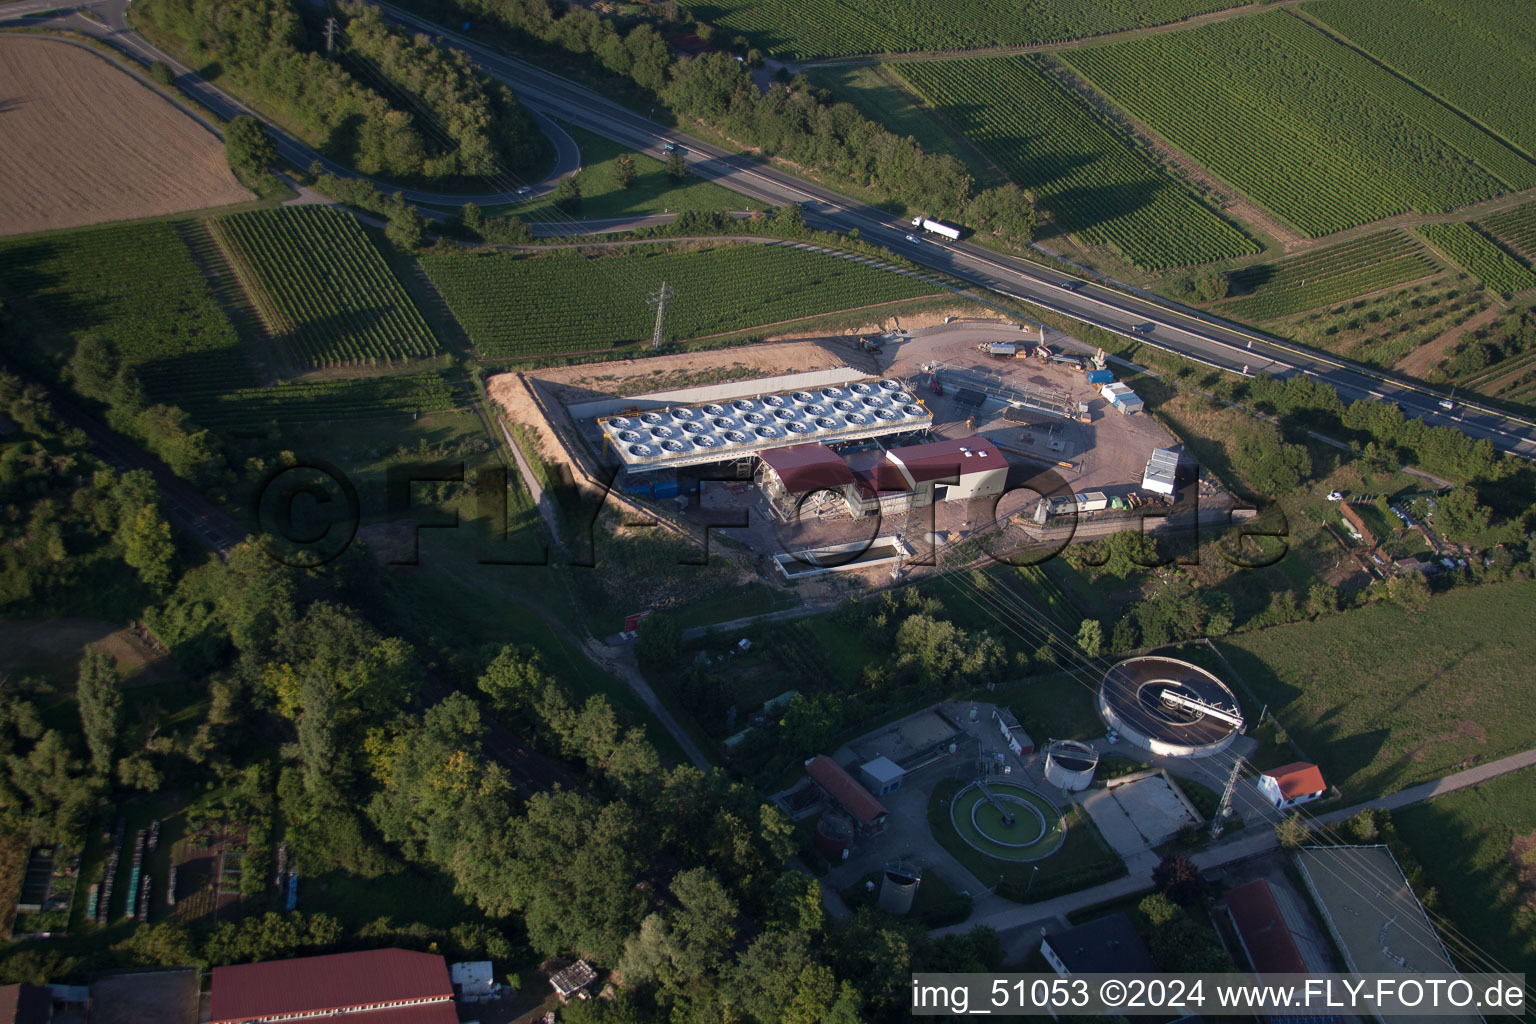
[1122,397]
[1162,474]
[881,775]
[697,435]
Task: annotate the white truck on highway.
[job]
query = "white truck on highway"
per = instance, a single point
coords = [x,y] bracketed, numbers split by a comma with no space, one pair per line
[937,227]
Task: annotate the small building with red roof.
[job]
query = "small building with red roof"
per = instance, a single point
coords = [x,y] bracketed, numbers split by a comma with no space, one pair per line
[883,480]
[1293,784]
[376,986]
[867,812]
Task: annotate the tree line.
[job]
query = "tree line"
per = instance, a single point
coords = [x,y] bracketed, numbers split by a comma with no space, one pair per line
[792,120]
[407,110]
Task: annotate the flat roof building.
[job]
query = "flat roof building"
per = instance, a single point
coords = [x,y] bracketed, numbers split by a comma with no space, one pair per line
[377,986]
[715,432]
[1374,917]
[882,775]
[1162,473]
[1122,397]
[1102,946]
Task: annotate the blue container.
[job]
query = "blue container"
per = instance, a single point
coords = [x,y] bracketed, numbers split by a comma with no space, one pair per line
[664,489]
[1101,376]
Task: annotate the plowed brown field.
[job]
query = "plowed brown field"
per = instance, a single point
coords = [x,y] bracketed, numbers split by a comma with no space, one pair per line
[85,143]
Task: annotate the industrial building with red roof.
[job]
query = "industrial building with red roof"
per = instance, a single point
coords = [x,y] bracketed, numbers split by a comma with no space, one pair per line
[885,480]
[1291,784]
[866,811]
[1262,930]
[377,986]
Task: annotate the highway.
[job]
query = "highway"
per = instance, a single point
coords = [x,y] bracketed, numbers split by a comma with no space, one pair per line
[1197,336]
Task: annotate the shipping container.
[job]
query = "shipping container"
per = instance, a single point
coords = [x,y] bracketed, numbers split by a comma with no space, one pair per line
[1101,376]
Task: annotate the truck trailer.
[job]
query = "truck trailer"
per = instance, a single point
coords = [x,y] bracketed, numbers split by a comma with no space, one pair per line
[937,227]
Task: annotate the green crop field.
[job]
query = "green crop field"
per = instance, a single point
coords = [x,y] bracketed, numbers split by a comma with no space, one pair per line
[518,305]
[804,29]
[138,287]
[651,191]
[1478,850]
[322,288]
[1384,329]
[877,91]
[1302,124]
[1515,228]
[1477,55]
[1265,291]
[1090,182]
[1382,699]
[1480,257]
[326,401]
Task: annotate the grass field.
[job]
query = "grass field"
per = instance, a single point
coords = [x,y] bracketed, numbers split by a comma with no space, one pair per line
[1382,699]
[1385,329]
[652,191]
[1516,228]
[1082,860]
[1310,129]
[1265,291]
[516,305]
[138,287]
[1477,55]
[878,92]
[326,401]
[1478,850]
[806,28]
[1081,174]
[1480,257]
[325,294]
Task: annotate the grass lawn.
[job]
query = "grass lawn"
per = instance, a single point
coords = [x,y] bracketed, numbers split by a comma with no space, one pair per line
[1382,699]
[881,97]
[652,191]
[1084,859]
[1478,849]
[1054,707]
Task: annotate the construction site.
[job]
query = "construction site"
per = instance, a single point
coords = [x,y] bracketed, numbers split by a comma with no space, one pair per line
[864,453]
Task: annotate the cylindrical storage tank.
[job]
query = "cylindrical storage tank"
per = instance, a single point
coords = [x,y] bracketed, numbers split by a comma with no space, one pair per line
[898,888]
[834,836]
[1069,765]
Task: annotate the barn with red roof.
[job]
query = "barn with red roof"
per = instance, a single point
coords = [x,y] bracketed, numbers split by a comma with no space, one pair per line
[376,986]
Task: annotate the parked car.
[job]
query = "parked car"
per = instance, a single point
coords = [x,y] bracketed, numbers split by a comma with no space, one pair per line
[1335,496]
